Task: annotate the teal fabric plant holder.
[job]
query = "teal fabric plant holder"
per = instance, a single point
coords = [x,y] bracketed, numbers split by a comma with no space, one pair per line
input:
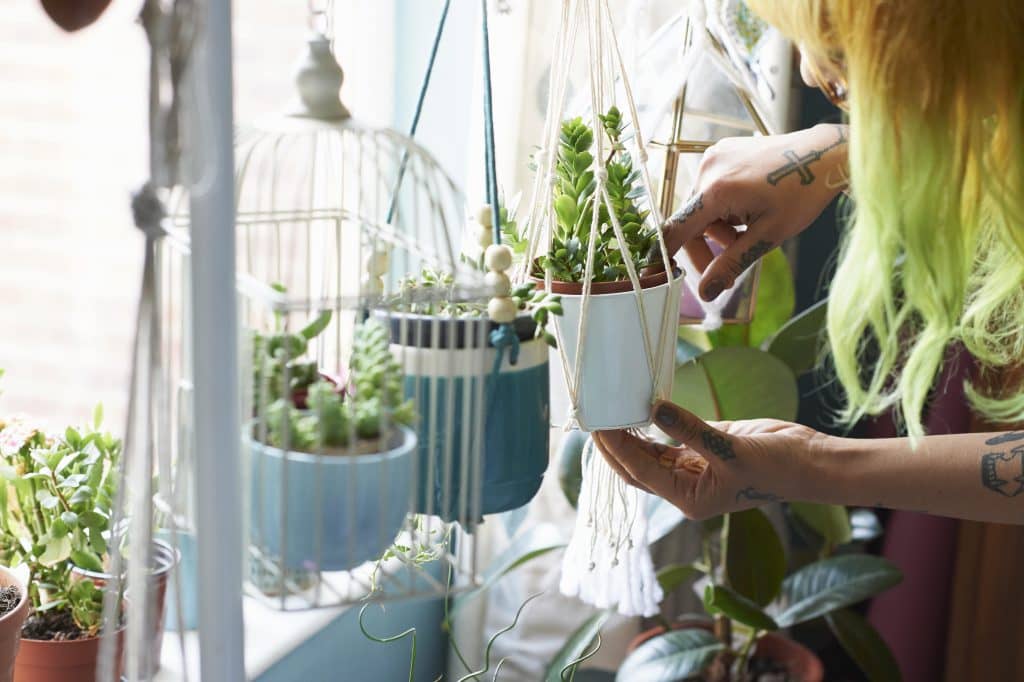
[504,447]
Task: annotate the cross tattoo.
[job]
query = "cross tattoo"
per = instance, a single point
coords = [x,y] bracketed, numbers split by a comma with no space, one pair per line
[797,164]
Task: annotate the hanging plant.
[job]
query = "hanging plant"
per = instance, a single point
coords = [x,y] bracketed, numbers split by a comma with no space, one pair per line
[574,203]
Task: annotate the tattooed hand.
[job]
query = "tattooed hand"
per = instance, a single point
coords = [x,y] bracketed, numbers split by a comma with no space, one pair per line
[774,185]
[718,467]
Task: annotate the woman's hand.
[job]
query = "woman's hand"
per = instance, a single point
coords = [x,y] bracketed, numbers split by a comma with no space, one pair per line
[775,185]
[719,467]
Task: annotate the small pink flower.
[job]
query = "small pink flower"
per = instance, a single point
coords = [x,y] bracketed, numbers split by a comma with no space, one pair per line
[17,431]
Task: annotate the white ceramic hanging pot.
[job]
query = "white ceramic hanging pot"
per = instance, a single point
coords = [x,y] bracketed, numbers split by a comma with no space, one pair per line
[616,388]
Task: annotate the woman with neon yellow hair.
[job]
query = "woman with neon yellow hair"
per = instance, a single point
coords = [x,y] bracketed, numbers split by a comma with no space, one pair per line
[933,256]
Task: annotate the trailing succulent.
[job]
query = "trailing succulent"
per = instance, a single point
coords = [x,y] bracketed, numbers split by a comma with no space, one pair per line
[433,293]
[372,399]
[55,511]
[574,200]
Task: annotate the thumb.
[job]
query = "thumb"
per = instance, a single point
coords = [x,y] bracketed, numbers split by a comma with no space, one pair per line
[693,432]
[724,270]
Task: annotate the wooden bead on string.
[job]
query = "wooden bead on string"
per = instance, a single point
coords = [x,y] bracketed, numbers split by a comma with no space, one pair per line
[502,309]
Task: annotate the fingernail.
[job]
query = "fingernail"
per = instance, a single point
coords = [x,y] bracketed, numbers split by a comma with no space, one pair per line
[665,414]
[713,289]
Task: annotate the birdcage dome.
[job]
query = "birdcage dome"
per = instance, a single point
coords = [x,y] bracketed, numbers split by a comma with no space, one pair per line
[318,192]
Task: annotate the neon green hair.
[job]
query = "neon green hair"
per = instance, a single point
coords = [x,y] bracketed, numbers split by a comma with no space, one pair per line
[934,252]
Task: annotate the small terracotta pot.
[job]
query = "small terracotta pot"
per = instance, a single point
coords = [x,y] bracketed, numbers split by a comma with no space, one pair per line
[165,558]
[73,15]
[10,625]
[801,664]
[64,661]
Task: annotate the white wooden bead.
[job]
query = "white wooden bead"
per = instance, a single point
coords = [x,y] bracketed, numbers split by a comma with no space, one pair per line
[377,263]
[485,238]
[502,310]
[498,283]
[498,257]
[484,216]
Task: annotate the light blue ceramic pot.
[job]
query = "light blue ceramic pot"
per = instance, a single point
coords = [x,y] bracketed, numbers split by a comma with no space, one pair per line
[329,512]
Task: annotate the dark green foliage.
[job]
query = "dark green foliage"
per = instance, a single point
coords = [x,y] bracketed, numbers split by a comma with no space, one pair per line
[575,197]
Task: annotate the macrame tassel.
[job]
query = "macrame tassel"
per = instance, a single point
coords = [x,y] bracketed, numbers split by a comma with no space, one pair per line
[608,561]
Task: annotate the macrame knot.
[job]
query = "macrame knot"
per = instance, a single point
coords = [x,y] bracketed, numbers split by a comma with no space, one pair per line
[504,338]
[642,154]
[148,212]
[601,174]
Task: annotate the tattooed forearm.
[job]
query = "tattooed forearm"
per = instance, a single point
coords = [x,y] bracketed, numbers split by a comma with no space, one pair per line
[752,493]
[1005,438]
[718,444]
[801,165]
[1003,472]
[754,253]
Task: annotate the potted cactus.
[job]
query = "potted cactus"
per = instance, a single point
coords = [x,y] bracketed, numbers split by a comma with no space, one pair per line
[55,492]
[615,357]
[338,474]
[446,345]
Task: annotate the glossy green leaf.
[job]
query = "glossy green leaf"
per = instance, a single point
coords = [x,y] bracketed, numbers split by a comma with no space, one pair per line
[57,550]
[692,390]
[578,643]
[865,646]
[832,584]
[673,576]
[570,464]
[755,558]
[720,599]
[670,657]
[748,383]
[86,560]
[831,522]
[97,416]
[798,343]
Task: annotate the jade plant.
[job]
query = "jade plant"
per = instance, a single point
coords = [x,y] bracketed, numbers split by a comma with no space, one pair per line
[54,515]
[334,419]
[575,197]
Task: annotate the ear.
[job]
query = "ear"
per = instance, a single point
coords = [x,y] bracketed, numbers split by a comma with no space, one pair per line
[74,15]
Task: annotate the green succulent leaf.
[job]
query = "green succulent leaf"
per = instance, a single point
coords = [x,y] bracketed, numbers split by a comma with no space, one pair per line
[831,522]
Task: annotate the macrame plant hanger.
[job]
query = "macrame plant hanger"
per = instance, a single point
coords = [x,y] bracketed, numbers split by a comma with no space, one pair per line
[170,30]
[607,562]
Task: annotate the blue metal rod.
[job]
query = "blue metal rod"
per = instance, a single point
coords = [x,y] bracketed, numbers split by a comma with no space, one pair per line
[491,163]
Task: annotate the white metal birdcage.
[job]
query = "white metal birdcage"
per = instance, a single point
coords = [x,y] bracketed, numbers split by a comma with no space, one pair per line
[332,219]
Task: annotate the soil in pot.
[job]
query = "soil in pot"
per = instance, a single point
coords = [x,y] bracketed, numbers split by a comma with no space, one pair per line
[10,597]
[52,626]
